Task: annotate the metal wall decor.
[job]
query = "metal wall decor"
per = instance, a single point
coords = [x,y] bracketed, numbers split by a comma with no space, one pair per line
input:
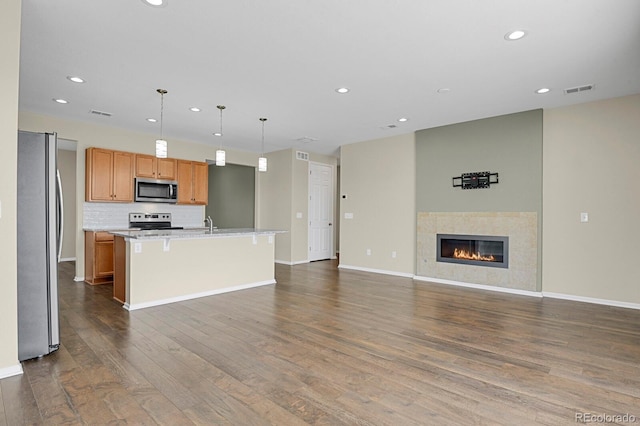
[475,180]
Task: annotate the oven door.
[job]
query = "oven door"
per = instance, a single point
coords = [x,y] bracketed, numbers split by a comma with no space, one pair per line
[156,191]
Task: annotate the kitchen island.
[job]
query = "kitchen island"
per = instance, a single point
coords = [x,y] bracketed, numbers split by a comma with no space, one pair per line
[165,266]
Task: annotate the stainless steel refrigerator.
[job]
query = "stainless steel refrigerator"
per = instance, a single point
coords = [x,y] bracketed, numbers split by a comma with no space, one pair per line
[39,243]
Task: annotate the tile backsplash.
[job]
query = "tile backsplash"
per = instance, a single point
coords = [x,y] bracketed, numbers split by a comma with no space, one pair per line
[116,215]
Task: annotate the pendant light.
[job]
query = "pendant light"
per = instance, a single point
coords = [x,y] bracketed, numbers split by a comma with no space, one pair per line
[262,161]
[220,154]
[161,144]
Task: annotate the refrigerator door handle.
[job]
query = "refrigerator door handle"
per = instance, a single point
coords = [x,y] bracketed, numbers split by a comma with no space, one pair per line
[60,214]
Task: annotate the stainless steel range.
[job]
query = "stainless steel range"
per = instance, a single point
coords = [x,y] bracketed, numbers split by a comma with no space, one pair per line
[151,221]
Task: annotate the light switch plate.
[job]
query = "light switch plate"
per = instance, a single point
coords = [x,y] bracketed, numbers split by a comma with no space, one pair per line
[299,215]
[584,217]
[348,215]
[137,247]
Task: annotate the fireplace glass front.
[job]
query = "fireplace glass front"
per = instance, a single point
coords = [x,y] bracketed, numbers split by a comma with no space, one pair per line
[481,250]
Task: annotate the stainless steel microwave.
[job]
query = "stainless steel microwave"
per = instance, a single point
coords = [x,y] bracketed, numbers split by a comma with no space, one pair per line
[156,190]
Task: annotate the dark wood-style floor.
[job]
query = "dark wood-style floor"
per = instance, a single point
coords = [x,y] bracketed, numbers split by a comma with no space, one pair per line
[331,347]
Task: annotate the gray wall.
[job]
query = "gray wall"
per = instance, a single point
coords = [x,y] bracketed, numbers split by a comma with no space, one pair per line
[232,196]
[510,145]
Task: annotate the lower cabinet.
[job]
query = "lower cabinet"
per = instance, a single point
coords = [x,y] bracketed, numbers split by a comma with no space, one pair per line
[98,257]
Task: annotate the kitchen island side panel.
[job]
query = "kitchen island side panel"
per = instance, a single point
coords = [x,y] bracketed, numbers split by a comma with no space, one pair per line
[170,270]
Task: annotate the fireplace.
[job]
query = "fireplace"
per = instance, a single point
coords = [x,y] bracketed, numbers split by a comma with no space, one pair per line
[480,250]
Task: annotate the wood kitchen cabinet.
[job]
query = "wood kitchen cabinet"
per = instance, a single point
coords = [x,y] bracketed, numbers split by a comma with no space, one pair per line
[109,175]
[152,167]
[193,182]
[98,257]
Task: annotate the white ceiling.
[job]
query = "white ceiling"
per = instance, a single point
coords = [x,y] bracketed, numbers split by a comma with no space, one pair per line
[283,59]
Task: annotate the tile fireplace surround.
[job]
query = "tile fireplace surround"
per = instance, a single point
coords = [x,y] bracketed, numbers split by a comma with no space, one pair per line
[520,227]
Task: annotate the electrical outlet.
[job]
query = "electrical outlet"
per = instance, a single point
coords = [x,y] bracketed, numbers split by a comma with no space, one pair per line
[584,217]
[368,252]
[137,248]
[348,215]
[394,254]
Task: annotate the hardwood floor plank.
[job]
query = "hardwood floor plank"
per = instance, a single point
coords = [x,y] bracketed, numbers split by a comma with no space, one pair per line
[20,407]
[334,347]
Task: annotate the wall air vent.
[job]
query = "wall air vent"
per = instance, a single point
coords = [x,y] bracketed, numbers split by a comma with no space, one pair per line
[304,156]
[579,89]
[102,113]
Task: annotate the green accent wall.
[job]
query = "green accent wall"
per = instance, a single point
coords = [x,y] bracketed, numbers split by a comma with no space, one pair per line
[232,196]
[510,145]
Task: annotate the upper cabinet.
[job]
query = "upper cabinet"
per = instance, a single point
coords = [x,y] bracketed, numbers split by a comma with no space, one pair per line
[109,175]
[193,182]
[149,166]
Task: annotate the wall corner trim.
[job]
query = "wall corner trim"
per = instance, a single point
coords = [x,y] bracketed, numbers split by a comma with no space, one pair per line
[480,286]
[14,370]
[607,302]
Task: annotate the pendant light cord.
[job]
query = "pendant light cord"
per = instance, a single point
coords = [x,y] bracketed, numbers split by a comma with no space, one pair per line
[221,108]
[262,146]
[162,93]
[161,115]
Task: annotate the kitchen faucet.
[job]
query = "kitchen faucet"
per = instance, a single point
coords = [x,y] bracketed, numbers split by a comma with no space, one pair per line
[210,222]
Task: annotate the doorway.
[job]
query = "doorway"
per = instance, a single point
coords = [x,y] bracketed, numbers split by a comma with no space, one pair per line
[320,211]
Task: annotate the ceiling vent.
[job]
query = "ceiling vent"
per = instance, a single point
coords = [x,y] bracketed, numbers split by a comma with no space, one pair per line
[304,156]
[102,113]
[579,89]
[306,139]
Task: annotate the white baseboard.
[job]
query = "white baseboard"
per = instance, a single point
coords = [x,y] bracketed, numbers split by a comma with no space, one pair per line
[10,371]
[376,271]
[479,286]
[67,259]
[78,279]
[137,306]
[284,262]
[591,300]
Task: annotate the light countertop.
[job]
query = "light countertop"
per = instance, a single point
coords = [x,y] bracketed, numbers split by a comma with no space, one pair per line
[193,233]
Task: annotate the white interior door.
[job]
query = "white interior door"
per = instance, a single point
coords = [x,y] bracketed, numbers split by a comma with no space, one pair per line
[320,211]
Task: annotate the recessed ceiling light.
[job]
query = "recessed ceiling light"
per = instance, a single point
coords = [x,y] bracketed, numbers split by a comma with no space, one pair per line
[444,90]
[543,90]
[403,119]
[217,134]
[75,79]
[194,109]
[155,3]
[515,35]
[152,120]
[61,101]
[342,90]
